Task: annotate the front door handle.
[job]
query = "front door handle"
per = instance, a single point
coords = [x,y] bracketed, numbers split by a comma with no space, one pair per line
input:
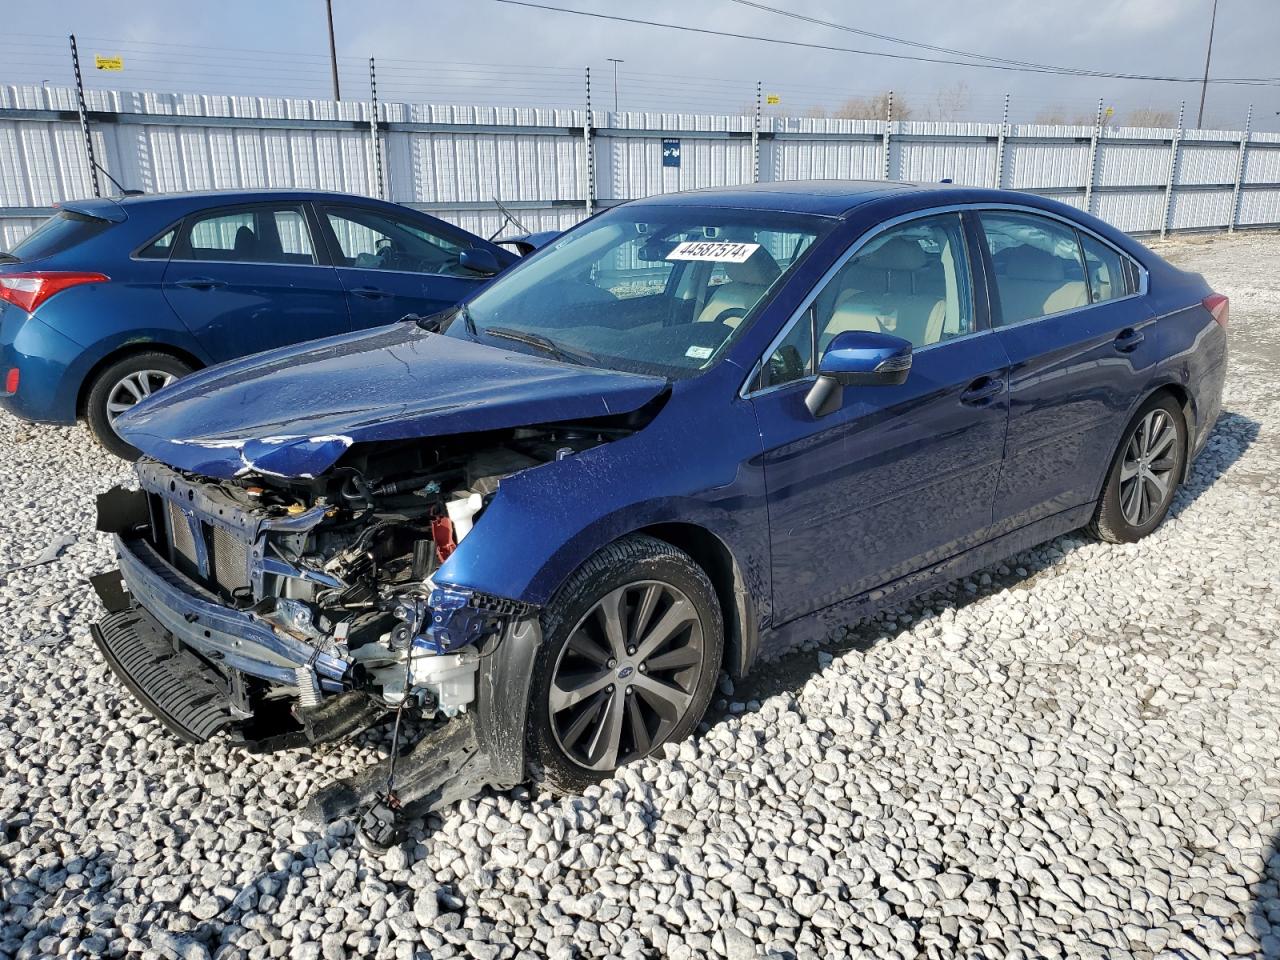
[1127,340]
[982,391]
[202,283]
[370,293]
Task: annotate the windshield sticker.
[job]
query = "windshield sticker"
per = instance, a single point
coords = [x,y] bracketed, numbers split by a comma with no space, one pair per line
[716,251]
[698,353]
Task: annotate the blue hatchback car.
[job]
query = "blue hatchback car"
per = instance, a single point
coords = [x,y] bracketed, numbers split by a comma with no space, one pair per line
[686,434]
[110,300]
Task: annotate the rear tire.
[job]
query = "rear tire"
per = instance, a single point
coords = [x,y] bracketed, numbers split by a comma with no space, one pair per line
[1144,474]
[631,655]
[124,383]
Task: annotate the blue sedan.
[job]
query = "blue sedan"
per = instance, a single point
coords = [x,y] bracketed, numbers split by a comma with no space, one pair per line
[110,300]
[687,434]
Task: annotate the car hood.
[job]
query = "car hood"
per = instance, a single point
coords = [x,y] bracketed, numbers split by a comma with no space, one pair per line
[293,412]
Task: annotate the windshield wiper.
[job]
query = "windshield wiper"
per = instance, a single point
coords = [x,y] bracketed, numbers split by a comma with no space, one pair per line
[437,322]
[537,340]
[6,257]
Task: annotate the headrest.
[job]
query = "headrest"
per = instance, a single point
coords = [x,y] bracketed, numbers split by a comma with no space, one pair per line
[758,270]
[246,242]
[1031,263]
[898,254]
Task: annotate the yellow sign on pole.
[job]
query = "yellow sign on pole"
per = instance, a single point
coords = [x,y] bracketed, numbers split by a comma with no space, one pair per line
[772,98]
[108,63]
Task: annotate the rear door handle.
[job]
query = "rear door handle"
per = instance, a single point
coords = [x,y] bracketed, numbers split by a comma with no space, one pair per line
[370,293]
[1127,340]
[202,283]
[982,391]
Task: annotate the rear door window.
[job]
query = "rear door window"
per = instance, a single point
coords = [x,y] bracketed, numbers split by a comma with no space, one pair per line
[259,234]
[60,232]
[1037,263]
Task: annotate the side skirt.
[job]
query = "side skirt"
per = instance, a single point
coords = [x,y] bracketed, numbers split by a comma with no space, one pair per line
[821,623]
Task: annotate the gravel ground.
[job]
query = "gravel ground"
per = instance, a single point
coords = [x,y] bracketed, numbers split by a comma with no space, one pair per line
[1070,755]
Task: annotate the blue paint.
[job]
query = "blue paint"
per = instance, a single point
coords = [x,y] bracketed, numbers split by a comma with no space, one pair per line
[827,517]
[166,304]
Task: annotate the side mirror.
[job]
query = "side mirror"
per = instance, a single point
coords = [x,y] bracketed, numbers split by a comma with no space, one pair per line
[479,261]
[857,358]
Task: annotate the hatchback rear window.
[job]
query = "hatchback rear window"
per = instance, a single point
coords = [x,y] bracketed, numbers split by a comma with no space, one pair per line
[60,232]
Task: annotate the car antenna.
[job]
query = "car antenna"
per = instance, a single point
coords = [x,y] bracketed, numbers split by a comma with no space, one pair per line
[508,217]
[123,191]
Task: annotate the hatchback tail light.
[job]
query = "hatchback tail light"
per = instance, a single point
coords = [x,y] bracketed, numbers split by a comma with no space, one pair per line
[29,290]
[1219,306]
[11,380]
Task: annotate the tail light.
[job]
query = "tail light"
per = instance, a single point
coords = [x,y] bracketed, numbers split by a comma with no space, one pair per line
[11,380]
[1219,306]
[29,290]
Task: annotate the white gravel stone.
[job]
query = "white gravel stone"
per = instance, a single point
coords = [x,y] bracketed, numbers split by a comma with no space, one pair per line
[1073,753]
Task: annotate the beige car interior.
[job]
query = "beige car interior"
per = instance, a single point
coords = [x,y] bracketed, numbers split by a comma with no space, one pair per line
[730,302]
[1033,283]
[899,288]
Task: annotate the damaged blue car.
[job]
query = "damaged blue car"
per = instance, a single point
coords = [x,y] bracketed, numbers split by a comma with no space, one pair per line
[693,428]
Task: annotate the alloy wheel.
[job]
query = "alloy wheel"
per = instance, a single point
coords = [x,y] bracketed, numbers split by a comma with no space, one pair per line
[135,388]
[1147,471]
[626,675]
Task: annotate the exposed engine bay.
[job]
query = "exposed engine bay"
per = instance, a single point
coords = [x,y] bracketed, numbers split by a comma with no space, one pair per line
[302,610]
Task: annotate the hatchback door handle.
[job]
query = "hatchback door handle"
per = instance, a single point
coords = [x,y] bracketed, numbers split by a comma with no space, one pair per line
[1127,340]
[370,293]
[202,283]
[982,391]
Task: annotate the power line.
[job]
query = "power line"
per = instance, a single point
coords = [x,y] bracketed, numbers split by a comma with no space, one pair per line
[1009,67]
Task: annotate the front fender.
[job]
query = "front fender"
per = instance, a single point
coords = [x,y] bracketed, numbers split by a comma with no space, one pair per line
[543,523]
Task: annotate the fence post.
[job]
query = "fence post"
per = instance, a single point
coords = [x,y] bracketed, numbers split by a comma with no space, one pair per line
[84,119]
[374,128]
[888,124]
[755,140]
[1173,169]
[1093,159]
[1004,132]
[589,168]
[1235,194]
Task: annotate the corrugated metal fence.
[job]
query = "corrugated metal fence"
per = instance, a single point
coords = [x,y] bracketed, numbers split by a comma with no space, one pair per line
[551,167]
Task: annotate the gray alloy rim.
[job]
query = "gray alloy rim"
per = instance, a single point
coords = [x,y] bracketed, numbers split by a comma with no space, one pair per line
[627,674]
[135,388]
[1146,472]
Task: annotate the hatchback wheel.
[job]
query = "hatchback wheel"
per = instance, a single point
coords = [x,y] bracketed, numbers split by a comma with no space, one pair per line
[631,652]
[121,386]
[1144,475]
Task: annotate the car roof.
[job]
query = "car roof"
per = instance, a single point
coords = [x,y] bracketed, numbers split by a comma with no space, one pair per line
[214,197]
[838,198]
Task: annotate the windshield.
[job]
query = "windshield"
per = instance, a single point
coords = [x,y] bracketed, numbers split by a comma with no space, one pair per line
[656,290]
[56,234]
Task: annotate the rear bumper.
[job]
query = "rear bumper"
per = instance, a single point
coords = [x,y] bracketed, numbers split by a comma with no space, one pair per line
[43,357]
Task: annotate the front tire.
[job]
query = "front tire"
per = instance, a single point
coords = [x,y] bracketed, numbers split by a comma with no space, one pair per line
[1144,475]
[126,382]
[632,651]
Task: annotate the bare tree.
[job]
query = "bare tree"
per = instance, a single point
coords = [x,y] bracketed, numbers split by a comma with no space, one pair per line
[949,103]
[1062,115]
[1151,117]
[874,107]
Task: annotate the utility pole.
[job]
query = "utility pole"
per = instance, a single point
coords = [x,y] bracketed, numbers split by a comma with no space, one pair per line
[615,61]
[333,52]
[1204,87]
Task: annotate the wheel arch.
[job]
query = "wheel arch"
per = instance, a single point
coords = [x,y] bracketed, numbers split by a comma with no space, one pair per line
[737,607]
[122,352]
[1186,402]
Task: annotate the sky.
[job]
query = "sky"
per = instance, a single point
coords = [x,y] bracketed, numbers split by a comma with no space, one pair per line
[490,52]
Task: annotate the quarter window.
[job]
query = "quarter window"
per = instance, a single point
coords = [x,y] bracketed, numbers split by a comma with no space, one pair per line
[251,235]
[160,247]
[1108,276]
[1038,269]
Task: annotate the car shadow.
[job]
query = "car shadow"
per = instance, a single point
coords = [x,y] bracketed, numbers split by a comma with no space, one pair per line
[1263,921]
[1232,435]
